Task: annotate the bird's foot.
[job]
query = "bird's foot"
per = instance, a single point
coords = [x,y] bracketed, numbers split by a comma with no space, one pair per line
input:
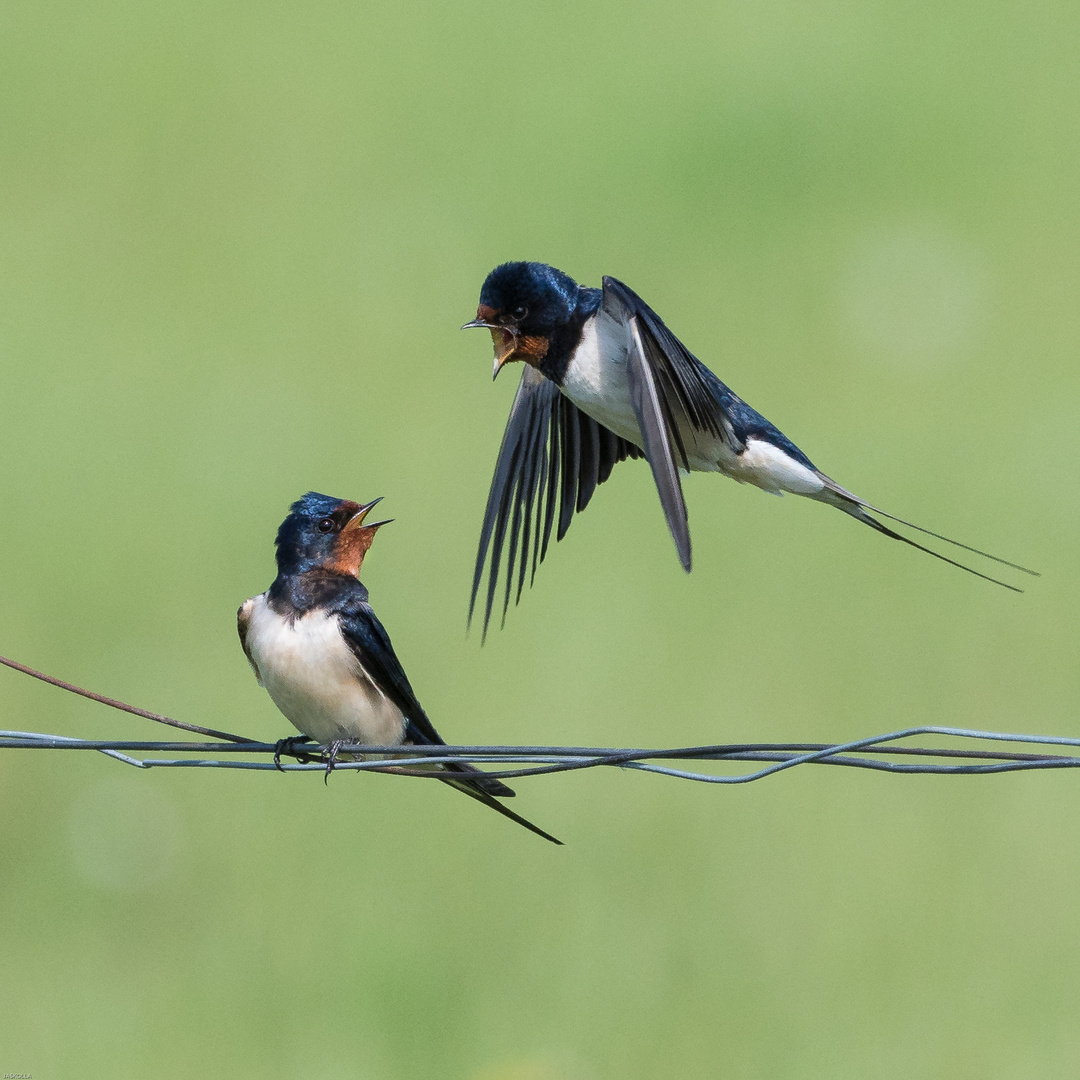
[288,746]
[330,754]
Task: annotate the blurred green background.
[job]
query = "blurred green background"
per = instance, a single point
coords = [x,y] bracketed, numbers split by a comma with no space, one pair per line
[237,242]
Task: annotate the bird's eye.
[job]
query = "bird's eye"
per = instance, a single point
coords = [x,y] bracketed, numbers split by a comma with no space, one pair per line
[325,525]
[519,313]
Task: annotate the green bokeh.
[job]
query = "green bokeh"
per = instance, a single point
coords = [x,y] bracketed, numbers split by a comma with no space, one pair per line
[237,241]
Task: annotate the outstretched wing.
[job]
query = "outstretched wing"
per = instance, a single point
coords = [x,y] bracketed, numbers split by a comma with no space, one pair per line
[673,396]
[551,459]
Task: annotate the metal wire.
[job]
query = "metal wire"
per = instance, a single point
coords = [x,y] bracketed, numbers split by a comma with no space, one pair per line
[876,752]
[873,753]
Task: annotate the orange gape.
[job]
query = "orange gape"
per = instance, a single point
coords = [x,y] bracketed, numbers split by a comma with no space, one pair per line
[531,349]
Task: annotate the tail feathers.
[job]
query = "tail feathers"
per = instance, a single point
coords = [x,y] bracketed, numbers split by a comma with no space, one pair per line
[956,543]
[484,790]
[479,779]
[858,508]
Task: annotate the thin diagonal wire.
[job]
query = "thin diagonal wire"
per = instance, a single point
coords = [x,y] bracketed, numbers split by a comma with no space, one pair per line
[123,706]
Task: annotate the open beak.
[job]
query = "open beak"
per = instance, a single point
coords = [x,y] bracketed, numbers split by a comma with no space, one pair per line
[357,520]
[503,338]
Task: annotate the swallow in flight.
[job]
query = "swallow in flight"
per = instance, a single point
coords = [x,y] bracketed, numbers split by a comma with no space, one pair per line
[321,653]
[606,380]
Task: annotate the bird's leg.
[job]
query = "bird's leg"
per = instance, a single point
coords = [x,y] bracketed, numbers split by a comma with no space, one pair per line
[288,746]
[331,756]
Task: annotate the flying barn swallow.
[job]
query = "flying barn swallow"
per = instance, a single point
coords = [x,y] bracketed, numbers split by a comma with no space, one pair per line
[606,380]
[317,647]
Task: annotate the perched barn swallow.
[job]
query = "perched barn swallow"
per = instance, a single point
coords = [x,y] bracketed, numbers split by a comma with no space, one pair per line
[606,380]
[317,647]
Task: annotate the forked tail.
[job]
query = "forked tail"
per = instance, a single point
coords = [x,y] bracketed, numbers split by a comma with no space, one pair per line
[476,787]
[851,504]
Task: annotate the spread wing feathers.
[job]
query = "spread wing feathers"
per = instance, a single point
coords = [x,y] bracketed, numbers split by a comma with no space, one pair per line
[660,432]
[685,382]
[550,462]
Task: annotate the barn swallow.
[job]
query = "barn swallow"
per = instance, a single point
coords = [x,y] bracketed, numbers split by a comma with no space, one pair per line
[321,653]
[606,380]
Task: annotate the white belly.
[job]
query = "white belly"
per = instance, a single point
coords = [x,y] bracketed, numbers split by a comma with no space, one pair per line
[596,382]
[315,679]
[768,467]
[596,379]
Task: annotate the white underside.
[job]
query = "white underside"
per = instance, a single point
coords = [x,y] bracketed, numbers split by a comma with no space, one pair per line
[315,679]
[596,382]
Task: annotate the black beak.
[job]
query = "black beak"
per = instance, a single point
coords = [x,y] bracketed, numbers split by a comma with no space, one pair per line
[358,518]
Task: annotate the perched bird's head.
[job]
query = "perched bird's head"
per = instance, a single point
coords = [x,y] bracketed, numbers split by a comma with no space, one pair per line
[325,533]
[523,304]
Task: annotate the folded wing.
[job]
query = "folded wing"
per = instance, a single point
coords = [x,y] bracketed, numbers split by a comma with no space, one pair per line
[370,643]
[673,396]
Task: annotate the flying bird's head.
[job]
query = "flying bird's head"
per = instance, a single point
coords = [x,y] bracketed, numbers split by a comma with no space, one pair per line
[523,304]
[325,533]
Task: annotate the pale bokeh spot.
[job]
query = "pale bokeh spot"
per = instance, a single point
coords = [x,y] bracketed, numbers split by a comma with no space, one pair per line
[518,1070]
[124,834]
[915,295]
[528,1069]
